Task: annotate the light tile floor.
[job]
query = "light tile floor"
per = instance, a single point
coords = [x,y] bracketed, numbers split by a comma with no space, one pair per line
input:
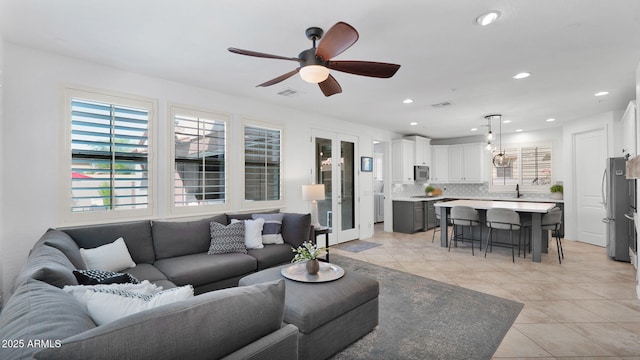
[584,308]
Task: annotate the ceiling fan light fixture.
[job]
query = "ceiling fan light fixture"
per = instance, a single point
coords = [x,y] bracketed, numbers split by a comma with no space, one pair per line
[488,18]
[314,74]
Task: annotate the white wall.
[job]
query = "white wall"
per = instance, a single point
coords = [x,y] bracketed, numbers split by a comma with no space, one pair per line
[2,174]
[32,87]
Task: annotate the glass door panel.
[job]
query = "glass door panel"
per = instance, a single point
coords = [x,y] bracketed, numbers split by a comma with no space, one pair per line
[347,185]
[324,175]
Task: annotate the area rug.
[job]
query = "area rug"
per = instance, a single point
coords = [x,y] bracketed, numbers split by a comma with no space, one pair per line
[422,318]
[356,246]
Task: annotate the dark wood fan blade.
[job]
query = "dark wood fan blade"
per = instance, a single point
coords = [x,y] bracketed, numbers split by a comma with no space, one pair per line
[261,55]
[365,68]
[338,39]
[279,78]
[330,86]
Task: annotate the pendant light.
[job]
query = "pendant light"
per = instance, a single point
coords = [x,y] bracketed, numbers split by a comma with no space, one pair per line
[501,160]
[490,135]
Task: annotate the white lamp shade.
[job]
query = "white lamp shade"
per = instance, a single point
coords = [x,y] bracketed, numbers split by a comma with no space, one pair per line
[313,192]
[314,73]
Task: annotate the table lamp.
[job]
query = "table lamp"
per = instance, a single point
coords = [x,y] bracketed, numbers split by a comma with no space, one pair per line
[313,193]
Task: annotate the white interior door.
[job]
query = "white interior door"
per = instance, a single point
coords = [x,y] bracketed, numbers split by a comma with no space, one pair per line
[590,154]
[336,167]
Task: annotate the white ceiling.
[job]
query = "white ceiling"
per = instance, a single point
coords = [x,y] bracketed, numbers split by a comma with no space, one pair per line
[573,48]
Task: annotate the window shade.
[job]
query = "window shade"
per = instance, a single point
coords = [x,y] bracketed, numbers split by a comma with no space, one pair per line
[262,163]
[109,152]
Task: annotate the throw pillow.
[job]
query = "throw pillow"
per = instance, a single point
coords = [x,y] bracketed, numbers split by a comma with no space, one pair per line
[227,239]
[106,303]
[252,233]
[95,277]
[272,229]
[109,257]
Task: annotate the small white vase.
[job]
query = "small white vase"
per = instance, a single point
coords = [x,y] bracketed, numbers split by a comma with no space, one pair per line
[556,195]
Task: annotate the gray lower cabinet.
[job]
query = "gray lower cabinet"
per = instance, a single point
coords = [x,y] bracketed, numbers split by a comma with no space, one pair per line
[430,214]
[408,216]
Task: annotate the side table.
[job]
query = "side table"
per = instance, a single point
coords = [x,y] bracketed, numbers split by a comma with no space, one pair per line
[326,231]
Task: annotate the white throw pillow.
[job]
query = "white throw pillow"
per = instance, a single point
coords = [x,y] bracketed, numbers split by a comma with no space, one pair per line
[252,233]
[106,303]
[110,257]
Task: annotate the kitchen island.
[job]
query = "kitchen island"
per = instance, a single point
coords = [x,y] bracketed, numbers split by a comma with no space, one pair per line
[535,209]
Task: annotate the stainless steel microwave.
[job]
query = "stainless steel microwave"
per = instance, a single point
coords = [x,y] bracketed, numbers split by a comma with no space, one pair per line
[421,173]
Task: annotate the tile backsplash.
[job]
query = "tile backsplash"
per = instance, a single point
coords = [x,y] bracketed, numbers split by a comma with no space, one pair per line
[404,190]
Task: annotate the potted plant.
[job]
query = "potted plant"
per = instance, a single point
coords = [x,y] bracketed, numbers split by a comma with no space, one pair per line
[556,191]
[429,190]
[309,252]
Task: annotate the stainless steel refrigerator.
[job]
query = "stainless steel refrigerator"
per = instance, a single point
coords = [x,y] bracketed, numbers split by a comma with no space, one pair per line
[618,198]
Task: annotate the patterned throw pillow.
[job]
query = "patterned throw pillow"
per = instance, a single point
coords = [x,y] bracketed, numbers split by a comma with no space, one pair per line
[227,239]
[272,229]
[95,277]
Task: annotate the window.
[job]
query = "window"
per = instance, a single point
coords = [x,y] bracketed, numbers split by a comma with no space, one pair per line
[530,167]
[109,154]
[262,163]
[199,152]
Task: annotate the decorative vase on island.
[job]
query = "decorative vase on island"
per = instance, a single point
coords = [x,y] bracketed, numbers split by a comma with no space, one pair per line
[313,266]
[556,195]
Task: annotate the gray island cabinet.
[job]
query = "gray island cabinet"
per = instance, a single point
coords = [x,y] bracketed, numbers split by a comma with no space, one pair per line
[414,215]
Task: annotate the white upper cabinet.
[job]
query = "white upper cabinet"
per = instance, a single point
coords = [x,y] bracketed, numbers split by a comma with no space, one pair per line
[402,152]
[458,163]
[439,171]
[422,150]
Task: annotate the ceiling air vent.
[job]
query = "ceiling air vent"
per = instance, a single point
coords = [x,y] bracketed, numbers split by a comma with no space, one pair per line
[442,104]
[289,92]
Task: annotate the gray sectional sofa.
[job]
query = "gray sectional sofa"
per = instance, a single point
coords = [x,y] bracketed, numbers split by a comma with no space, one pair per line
[42,321]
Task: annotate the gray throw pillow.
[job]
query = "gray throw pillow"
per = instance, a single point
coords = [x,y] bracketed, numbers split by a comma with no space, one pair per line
[272,229]
[227,239]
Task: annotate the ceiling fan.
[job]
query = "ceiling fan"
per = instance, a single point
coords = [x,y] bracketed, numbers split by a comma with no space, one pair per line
[316,62]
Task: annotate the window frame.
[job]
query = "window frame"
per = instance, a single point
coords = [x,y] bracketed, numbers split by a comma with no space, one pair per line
[69,217]
[251,204]
[523,187]
[204,113]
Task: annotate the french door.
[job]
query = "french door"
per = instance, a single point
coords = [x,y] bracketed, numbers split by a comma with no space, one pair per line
[336,168]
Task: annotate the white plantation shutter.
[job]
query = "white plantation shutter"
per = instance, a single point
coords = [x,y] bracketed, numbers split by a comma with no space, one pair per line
[199,158]
[531,168]
[262,163]
[109,156]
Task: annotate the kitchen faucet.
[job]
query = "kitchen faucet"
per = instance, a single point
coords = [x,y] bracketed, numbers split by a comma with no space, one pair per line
[518,195]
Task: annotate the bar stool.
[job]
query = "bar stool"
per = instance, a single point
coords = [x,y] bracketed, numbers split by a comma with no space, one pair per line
[464,216]
[551,221]
[503,219]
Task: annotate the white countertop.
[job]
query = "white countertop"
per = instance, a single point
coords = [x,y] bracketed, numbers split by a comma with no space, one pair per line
[525,206]
[490,198]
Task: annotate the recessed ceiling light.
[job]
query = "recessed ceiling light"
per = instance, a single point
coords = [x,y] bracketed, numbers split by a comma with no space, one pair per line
[521,75]
[474,129]
[488,18]
[550,120]
[407,101]
[518,130]
[506,122]
[602,93]
[413,123]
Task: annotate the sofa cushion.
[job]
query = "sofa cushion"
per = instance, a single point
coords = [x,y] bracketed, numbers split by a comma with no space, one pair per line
[227,239]
[296,228]
[178,238]
[146,272]
[38,311]
[207,326]
[63,242]
[252,233]
[48,264]
[108,257]
[201,269]
[137,236]
[272,255]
